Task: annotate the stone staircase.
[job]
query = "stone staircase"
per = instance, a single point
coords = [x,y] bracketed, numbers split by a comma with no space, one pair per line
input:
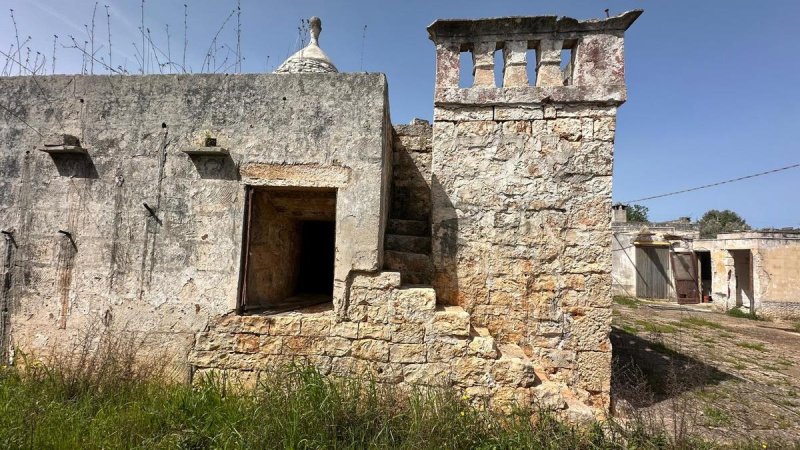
[408,251]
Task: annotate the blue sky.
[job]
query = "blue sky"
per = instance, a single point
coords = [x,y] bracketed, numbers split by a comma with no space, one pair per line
[713,89]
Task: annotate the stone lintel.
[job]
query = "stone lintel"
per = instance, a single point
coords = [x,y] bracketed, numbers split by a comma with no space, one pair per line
[306,175]
[613,95]
[515,28]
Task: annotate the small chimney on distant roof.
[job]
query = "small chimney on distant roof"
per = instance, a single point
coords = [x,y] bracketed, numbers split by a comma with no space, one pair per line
[619,213]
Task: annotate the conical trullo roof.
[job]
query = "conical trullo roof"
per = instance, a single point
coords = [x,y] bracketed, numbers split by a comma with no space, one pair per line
[310,59]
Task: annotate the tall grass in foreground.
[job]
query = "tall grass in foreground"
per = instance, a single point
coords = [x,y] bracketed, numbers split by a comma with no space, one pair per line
[98,396]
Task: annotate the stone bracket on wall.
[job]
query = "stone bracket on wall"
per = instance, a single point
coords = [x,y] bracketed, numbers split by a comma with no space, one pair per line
[63,144]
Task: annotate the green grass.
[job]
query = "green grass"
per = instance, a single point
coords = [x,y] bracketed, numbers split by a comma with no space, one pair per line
[631,302]
[654,327]
[296,408]
[738,313]
[700,322]
[752,346]
[796,327]
[716,416]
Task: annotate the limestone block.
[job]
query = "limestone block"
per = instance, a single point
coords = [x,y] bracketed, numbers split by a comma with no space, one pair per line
[271,345]
[337,346]
[370,330]
[247,343]
[378,280]
[315,325]
[599,59]
[605,128]
[483,64]
[407,353]
[549,396]
[407,333]
[594,371]
[510,371]
[371,350]
[518,112]
[569,129]
[209,358]
[413,305]
[470,371]
[447,65]
[463,113]
[483,346]
[214,341]
[449,321]
[506,399]
[232,323]
[515,56]
[446,349]
[285,325]
[303,345]
[345,329]
[589,331]
[430,374]
[548,63]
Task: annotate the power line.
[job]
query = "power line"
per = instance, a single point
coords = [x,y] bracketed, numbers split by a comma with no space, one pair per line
[714,184]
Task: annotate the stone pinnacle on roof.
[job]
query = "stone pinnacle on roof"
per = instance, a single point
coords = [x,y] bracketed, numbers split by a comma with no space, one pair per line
[310,59]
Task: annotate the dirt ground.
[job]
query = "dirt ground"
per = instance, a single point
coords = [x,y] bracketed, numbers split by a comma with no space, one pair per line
[705,372]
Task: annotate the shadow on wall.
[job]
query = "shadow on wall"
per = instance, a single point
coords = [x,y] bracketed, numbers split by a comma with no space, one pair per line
[75,166]
[646,372]
[445,245]
[216,167]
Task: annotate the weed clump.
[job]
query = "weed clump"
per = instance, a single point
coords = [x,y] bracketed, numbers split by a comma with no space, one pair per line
[738,313]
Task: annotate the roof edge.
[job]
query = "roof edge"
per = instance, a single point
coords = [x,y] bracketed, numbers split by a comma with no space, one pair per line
[444,29]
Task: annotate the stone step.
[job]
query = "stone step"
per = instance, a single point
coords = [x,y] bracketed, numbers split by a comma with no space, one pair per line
[414,268]
[408,227]
[409,244]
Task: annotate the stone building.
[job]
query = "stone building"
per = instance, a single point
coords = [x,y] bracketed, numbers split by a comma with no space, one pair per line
[240,222]
[655,260]
[755,270]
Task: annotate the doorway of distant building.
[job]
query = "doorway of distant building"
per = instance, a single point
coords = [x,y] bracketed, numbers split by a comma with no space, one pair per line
[704,263]
[743,271]
[289,248]
[684,270]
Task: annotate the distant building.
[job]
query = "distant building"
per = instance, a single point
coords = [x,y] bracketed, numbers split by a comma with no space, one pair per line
[755,270]
[655,260]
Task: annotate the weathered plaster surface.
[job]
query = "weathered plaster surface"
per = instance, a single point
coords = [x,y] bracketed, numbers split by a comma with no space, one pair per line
[169,272]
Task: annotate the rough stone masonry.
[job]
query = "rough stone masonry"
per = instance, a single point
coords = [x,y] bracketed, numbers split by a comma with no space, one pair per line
[241,222]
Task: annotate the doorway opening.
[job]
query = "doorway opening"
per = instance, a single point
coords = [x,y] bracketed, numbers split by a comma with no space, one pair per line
[289,249]
[743,271]
[704,262]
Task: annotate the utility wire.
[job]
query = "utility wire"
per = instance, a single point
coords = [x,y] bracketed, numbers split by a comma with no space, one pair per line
[714,184]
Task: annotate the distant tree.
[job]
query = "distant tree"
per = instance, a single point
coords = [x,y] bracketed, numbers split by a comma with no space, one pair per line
[714,222]
[637,213]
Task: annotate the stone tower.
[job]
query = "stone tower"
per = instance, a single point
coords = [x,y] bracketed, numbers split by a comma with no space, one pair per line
[521,189]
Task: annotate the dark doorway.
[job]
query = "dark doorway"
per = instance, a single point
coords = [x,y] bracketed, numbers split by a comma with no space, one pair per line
[704,261]
[289,254]
[318,242]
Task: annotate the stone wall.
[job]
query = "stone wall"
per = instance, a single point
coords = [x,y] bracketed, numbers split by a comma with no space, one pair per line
[152,237]
[390,334]
[521,191]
